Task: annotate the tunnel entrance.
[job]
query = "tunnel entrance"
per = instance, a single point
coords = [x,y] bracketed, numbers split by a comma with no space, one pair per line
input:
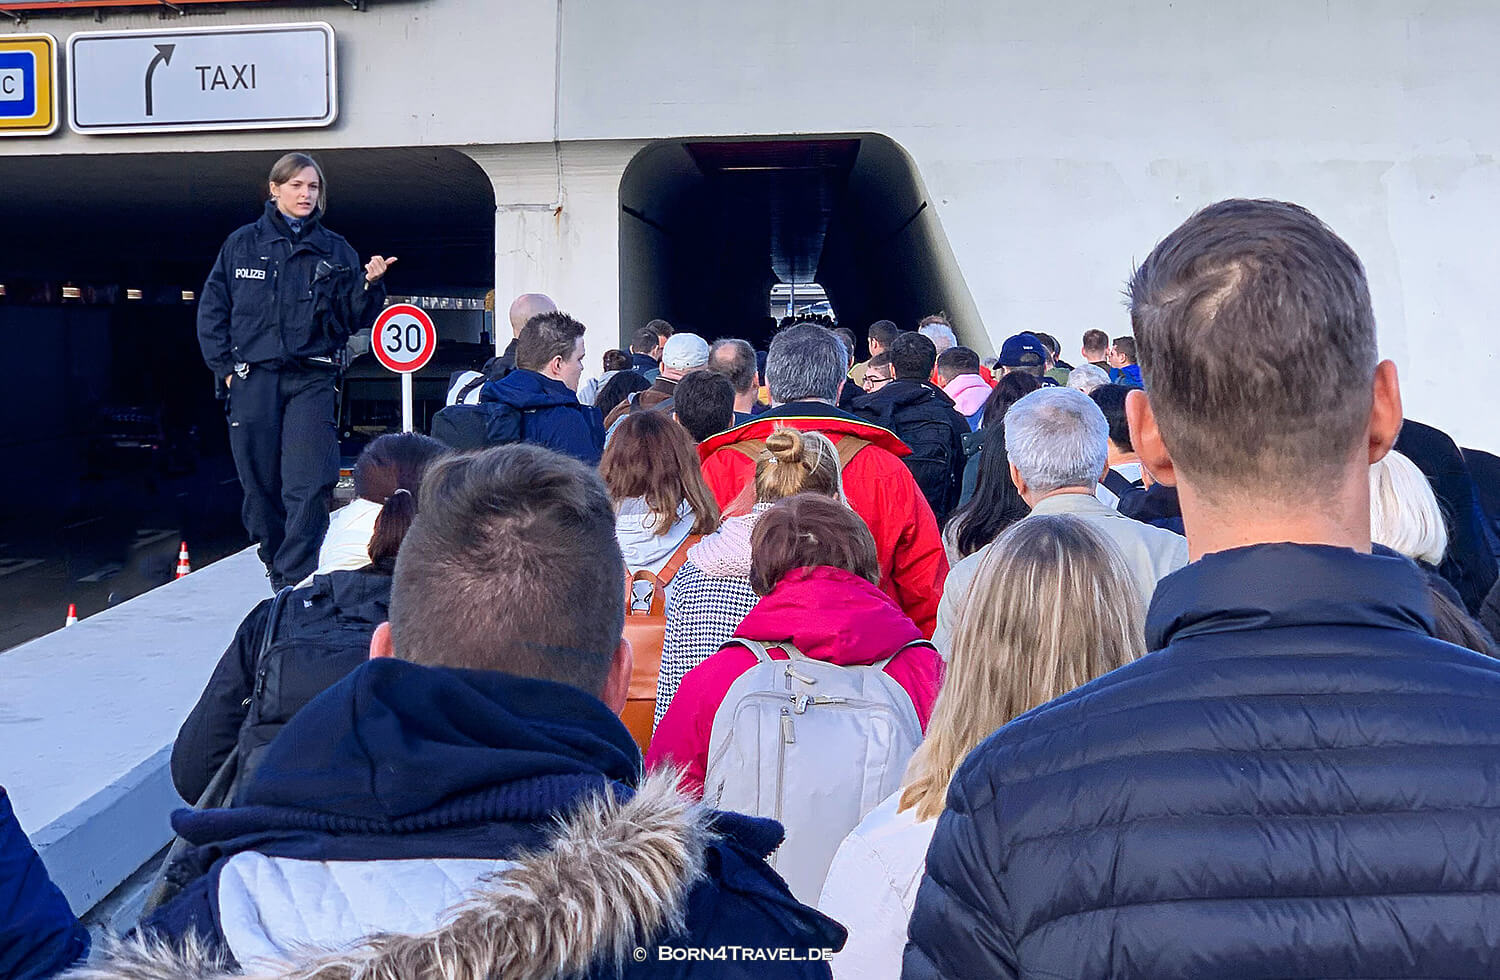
[710,229]
[118,445]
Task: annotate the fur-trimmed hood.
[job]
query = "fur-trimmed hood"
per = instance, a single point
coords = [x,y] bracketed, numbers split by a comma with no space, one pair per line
[616,876]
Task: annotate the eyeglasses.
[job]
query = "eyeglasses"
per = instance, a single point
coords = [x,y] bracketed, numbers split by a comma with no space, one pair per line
[874,381]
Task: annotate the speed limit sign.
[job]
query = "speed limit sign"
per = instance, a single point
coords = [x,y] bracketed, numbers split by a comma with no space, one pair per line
[403,338]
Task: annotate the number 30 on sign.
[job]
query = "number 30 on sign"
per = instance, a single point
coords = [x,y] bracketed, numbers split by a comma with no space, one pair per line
[403,338]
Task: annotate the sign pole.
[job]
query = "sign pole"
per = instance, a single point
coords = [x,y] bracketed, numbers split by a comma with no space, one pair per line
[406,410]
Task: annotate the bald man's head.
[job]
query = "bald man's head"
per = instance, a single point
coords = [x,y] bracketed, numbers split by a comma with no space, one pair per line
[526,306]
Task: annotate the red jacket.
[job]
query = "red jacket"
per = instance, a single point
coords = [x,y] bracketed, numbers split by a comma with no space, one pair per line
[828,614]
[880,489]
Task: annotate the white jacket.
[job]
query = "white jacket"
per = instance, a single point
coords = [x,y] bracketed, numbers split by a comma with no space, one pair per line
[346,546]
[871,889]
[636,527]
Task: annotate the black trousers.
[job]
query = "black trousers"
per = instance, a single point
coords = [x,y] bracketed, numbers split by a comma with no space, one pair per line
[283,432]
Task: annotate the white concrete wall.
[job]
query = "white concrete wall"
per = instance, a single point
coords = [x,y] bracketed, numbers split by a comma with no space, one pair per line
[88,715]
[1058,141]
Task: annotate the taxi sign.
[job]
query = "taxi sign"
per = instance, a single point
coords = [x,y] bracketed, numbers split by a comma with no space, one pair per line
[28,84]
[403,338]
[261,76]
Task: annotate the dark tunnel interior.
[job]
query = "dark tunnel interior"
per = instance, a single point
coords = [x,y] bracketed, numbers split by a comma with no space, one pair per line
[707,228]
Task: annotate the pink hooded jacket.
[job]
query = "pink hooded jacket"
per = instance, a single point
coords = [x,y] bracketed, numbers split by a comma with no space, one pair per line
[827,613]
[969,393]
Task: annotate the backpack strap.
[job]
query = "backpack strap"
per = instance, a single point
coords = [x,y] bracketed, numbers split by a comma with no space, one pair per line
[660,580]
[846,445]
[679,557]
[761,650]
[658,606]
[750,448]
[273,620]
[754,646]
[882,664]
[464,391]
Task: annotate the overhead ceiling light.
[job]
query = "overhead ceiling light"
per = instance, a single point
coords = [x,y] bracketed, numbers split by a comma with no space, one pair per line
[188,295]
[72,292]
[132,294]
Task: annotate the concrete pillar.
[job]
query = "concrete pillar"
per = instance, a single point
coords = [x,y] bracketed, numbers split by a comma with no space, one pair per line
[557,231]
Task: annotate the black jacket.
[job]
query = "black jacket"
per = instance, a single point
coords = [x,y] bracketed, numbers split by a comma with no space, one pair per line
[400,765]
[1470,561]
[1155,505]
[323,633]
[924,418]
[1297,783]
[274,298]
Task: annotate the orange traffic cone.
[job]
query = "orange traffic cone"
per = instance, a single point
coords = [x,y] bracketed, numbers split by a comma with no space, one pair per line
[72,615]
[182,561]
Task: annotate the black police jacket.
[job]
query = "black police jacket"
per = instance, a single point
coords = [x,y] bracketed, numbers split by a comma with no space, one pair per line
[274,298]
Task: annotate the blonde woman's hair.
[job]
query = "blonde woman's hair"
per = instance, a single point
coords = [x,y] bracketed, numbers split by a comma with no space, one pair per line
[797,462]
[1052,607]
[1404,512]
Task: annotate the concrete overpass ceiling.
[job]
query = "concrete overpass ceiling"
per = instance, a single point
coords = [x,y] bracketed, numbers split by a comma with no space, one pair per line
[709,226]
[155,216]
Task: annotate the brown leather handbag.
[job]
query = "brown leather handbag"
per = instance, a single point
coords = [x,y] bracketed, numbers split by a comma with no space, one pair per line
[646,629]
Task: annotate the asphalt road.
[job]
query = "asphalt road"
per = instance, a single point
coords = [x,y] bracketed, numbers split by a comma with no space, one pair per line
[118,538]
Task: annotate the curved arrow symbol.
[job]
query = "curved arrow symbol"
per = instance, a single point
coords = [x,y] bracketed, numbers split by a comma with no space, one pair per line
[163,57]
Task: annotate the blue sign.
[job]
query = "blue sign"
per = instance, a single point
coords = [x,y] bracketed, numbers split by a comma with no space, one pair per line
[17,84]
[28,84]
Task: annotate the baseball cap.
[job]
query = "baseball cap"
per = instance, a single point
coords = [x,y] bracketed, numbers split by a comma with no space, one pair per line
[1023,350]
[684,351]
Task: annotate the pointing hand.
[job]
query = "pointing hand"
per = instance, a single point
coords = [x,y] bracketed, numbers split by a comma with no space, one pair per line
[377,266]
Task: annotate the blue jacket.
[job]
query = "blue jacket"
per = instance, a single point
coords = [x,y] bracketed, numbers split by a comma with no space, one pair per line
[541,410]
[1299,782]
[274,298]
[39,936]
[648,366]
[389,798]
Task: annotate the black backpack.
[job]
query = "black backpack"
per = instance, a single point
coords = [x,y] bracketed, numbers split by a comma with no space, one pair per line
[306,650]
[293,665]
[933,461]
[466,427]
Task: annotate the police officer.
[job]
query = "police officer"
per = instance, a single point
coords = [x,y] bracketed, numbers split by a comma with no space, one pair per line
[273,318]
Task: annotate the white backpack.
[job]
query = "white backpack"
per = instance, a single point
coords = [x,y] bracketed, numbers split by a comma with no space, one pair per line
[813,745]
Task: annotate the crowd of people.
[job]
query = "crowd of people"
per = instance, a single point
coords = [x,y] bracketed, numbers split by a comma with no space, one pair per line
[1179,662]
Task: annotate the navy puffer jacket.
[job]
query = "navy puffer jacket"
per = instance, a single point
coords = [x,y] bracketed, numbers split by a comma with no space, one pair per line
[1299,782]
[531,407]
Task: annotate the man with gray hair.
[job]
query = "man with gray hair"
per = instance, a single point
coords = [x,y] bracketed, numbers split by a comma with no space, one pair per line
[805,368]
[1058,443]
